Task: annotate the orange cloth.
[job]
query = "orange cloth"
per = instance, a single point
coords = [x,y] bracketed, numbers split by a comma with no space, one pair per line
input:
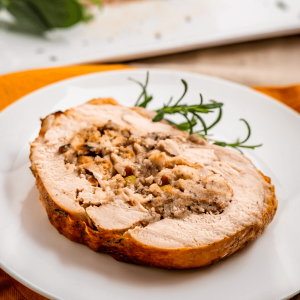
[14,86]
[289,95]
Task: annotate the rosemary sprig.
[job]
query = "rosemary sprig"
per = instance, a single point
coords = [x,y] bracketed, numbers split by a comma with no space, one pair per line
[192,115]
[144,94]
[189,112]
[238,144]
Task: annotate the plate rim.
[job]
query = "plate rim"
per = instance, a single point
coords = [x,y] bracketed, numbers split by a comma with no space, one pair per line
[74,79]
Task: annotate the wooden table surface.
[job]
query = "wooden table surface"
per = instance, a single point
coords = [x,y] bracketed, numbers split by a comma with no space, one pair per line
[266,62]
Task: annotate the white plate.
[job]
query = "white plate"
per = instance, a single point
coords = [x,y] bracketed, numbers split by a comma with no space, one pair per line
[137,29]
[34,253]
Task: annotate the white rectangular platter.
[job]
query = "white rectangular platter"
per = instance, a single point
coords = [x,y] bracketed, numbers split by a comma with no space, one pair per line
[138,29]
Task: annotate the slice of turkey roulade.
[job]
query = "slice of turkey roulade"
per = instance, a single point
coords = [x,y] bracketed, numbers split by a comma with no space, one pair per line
[146,193]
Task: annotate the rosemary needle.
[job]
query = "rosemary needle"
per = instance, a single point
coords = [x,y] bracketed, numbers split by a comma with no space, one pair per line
[147,98]
[238,144]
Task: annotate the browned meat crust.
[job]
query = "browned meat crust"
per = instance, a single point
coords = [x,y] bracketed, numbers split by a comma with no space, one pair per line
[125,249]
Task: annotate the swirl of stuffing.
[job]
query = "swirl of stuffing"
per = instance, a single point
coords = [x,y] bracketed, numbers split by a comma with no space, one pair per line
[146,193]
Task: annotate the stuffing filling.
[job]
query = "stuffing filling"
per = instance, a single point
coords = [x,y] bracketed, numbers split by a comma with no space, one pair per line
[156,173]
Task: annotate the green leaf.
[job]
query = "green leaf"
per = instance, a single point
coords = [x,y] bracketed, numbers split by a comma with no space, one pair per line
[158,117]
[3,3]
[96,2]
[59,13]
[184,92]
[186,126]
[144,93]
[183,126]
[47,14]
[249,132]
[146,101]
[86,15]
[222,144]
[27,15]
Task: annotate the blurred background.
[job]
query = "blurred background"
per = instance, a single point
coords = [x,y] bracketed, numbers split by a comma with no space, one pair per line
[254,42]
